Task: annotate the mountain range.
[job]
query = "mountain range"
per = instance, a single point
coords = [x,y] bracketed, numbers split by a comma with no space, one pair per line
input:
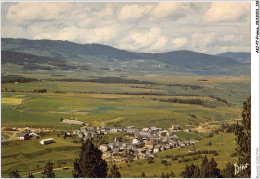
[61,54]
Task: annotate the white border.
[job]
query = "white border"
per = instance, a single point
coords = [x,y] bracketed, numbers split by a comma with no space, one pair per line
[255,66]
[254,94]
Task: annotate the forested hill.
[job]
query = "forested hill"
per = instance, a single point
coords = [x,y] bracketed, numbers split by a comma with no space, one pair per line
[70,51]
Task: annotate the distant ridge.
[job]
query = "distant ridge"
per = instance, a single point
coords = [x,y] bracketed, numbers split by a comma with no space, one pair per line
[242,57]
[71,51]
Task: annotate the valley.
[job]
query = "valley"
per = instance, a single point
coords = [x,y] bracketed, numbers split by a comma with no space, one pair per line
[101,85]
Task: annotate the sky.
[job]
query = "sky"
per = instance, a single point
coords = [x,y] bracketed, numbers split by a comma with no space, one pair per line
[206,27]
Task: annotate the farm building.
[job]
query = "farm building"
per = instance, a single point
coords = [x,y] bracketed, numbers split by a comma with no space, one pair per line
[192,149]
[34,136]
[47,141]
[23,136]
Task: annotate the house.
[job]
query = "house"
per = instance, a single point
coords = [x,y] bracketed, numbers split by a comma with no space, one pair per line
[105,129]
[157,148]
[34,136]
[94,135]
[23,136]
[149,145]
[67,134]
[81,135]
[76,132]
[192,149]
[135,141]
[145,134]
[124,161]
[130,127]
[187,143]
[175,128]
[47,141]
[27,129]
[142,155]
[188,130]
[162,133]
[104,148]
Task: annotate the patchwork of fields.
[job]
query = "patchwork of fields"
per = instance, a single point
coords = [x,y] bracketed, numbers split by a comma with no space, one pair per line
[121,104]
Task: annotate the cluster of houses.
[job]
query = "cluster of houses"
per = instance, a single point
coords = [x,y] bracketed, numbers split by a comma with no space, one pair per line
[140,143]
[29,133]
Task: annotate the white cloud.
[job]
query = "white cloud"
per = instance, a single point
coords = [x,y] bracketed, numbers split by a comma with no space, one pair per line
[141,27]
[179,42]
[173,10]
[160,44]
[227,12]
[133,12]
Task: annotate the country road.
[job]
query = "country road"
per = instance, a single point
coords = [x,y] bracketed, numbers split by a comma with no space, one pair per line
[12,136]
[55,169]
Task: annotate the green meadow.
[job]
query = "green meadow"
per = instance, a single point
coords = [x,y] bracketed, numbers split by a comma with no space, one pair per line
[31,157]
[223,144]
[120,104]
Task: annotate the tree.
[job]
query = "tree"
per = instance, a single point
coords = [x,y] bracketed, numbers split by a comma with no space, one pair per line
[229,171]
[14,174]
[48,171]
[30,175]
[143,175]
[204,168]
[114,173]
[243,139]
[90,163]
[214,172]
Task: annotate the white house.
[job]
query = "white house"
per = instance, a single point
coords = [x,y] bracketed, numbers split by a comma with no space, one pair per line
[23,136]
[104,147]
[157,148]
[47,141]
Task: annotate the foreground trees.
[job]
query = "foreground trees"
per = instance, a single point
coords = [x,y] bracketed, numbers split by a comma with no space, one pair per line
[90,163]
[14,174]
[114,173]
[207,169]
[48,171]
[243,140]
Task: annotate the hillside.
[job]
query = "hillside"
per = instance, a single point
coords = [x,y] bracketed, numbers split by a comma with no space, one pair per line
[78,52]
[33,62]
[241,57]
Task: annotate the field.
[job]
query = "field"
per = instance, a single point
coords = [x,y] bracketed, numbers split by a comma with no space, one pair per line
[223,143]
[120,104]
[30,156]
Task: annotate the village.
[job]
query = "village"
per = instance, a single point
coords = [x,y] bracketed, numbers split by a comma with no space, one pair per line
[139,143]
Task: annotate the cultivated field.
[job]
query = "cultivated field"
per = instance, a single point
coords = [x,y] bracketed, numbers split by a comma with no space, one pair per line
[120,104]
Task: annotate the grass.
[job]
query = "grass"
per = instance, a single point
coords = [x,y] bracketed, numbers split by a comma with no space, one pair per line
[125,106]
[135,169]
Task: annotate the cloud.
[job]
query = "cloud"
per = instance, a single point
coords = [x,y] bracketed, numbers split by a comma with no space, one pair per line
[25,12]
[140,27]
[179,42]
[227,12]
[133,12]
[173,10]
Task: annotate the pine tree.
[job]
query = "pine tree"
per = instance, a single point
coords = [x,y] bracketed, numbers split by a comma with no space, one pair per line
[48,171]
[229,171]
[14,174]
[243,139]
[214,172]
[204,168]
[143,175]
[90,163]
[114,173]
[196,173]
